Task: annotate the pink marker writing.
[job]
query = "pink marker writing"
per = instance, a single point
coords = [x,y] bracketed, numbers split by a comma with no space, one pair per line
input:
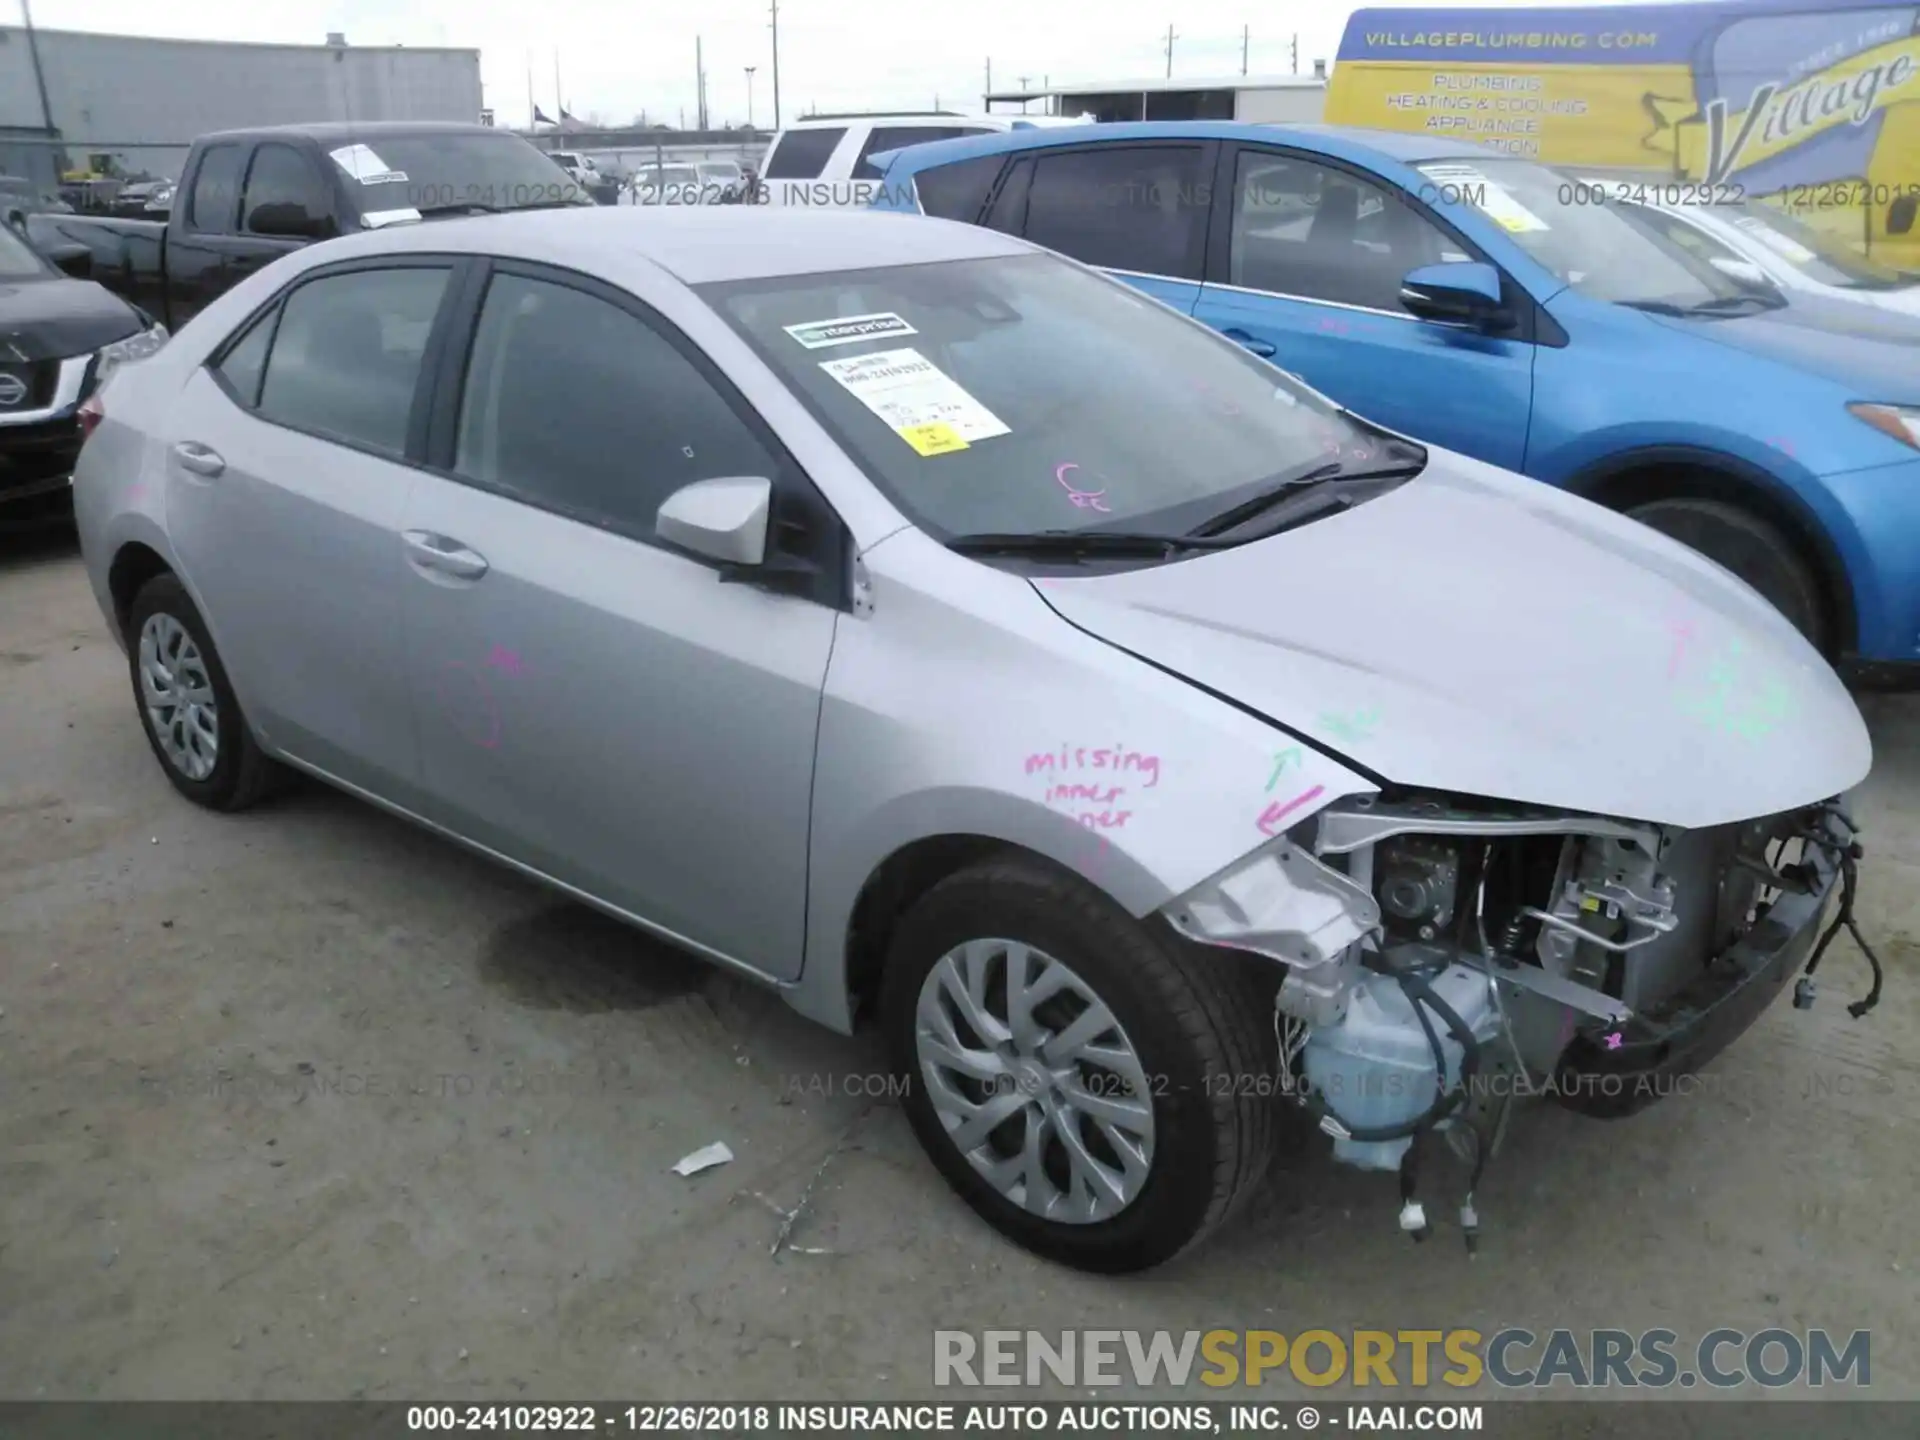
[1682,631]
[1085,499]
[1271,817]
[506,661]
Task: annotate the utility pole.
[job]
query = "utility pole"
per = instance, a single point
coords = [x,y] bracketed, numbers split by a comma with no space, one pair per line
[985,102]
[531,107]
[1023,90]
[750,69]
[1296,52]
[39,75]
[1246,36]
[699,86]
[1171,37]
[559,99]
[775,9]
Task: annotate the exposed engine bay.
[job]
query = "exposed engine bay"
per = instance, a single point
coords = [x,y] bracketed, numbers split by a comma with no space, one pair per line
[1444,958]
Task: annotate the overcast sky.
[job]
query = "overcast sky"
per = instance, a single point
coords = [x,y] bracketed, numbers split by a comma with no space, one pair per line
[618,58]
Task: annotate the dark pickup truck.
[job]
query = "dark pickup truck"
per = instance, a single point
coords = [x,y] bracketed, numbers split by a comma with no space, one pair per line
[247,197]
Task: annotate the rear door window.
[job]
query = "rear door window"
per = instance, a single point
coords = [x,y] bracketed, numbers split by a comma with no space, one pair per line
[216,191]
[1141,208]
[803,154]
[346,357]
[958,191]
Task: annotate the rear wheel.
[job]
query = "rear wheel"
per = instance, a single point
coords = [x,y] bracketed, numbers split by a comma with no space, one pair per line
[1752,549]
[1087,1090]
[187,705]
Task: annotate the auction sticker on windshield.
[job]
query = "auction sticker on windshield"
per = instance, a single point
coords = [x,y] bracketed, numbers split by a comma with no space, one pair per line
[363,165]
[1492,199]
[819,334]
[924,405]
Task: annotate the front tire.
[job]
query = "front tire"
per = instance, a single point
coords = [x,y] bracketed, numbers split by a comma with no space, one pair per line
[1755,551]
[1091,1092]
[186,703]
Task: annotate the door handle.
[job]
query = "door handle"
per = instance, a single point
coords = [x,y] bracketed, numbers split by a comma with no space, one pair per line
[449,557]
[1262,348]
[198,458]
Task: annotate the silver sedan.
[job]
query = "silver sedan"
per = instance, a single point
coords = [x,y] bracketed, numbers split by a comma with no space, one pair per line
[944,634]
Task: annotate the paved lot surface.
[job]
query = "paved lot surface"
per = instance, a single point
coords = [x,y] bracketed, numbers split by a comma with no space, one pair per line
[306,1104]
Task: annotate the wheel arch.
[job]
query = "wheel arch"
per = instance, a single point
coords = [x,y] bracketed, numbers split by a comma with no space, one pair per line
[1635,477]
[134,564]
[891,890]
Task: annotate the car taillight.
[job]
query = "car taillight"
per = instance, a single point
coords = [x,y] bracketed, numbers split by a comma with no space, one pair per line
[91,413]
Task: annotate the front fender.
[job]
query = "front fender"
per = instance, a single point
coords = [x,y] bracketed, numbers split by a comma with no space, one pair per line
[966,706]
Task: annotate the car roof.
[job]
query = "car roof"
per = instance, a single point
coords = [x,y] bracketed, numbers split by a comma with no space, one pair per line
[1346,142]
[697,244]
[344,130]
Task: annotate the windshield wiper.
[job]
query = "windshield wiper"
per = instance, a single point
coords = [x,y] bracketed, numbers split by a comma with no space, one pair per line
[1724,305]
[1733,304]
[1293,485]
[1070,544]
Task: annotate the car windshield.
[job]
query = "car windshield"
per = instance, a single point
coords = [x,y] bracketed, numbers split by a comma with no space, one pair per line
[1819,257]
[670,175]
[1592,244]
[450,169]
[1021,395]
[19,260]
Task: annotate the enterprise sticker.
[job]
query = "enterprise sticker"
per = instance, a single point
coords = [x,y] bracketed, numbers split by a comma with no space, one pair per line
[820,334]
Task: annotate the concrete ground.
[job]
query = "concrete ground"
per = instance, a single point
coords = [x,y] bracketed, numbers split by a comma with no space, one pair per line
[306,1104]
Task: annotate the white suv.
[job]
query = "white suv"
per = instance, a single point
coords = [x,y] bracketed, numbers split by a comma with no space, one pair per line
[826,160]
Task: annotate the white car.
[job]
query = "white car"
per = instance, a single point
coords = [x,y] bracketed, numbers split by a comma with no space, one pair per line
[825,161]
[1750,239]
[580,168]
[669,185]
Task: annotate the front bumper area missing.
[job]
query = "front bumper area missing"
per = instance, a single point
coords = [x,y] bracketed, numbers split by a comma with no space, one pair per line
[1599,1077]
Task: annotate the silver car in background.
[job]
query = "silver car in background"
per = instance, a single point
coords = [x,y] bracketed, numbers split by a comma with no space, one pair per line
[944,634]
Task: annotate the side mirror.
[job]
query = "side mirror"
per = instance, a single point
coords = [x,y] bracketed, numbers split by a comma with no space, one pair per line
[1457,293]
[1900,214]
[74,261]
[286,219]
[724,519]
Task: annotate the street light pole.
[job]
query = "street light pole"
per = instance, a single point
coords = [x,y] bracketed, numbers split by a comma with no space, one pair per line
[775,9]
[750,69]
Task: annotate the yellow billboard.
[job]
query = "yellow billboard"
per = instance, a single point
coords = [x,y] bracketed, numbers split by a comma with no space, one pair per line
[1814,106]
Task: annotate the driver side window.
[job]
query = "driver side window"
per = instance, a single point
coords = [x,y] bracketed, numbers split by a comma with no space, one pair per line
[579,406]
[1306,229]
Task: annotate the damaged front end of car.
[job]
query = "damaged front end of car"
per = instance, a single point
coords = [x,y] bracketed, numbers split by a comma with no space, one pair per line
[1444,956]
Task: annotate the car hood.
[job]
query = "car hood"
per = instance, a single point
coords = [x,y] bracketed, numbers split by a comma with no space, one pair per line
[1477,633]
[1875,351]
[53,318]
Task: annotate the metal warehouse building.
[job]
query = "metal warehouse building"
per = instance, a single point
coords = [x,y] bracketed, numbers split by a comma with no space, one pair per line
[142,100]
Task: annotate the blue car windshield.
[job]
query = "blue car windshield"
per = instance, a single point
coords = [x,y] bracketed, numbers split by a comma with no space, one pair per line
[1590,242]
[1021,394]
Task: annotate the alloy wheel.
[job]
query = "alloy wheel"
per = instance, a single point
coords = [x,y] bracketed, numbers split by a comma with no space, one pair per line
[1035,1081]
[178,694]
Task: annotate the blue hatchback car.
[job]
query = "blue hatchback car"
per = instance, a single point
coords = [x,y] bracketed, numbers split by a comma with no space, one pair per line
[1490,305]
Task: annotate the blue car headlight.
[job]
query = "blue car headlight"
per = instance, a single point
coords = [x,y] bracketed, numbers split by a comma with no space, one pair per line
[1902,422]
[124,352]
